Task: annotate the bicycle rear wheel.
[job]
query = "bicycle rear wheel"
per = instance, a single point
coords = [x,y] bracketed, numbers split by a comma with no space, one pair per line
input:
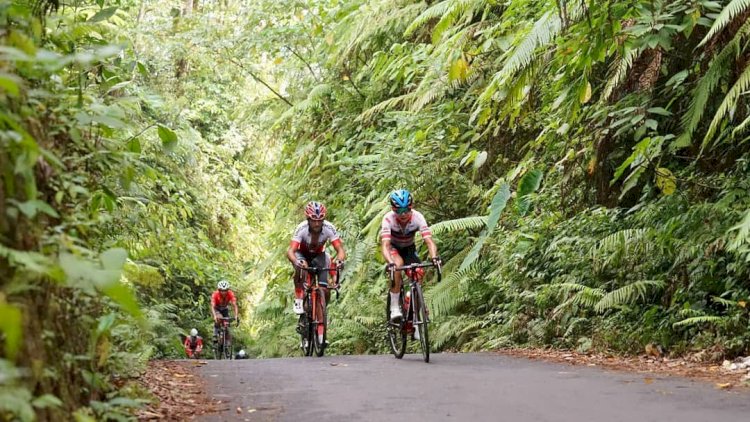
[320,326]
[421,320]
[395,331]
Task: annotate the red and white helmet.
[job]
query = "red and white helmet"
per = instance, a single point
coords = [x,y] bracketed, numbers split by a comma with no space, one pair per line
[315,210]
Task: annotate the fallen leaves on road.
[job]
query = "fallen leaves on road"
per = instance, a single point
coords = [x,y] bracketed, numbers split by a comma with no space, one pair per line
[652,365]
[179,393]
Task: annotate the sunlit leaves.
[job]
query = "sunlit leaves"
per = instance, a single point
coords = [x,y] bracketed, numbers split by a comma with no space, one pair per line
[10,326]
[168,137]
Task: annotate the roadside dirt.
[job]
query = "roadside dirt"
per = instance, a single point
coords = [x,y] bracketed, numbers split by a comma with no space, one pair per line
[689,367]
[179,393]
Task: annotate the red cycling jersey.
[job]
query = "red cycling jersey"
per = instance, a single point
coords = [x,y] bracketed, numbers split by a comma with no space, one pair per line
[217,301]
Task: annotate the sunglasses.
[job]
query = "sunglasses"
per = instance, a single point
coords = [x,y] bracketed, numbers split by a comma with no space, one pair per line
[401,211]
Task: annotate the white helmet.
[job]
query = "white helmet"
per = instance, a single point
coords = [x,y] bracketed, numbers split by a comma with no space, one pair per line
[223,285]
[193,332]
[241,353]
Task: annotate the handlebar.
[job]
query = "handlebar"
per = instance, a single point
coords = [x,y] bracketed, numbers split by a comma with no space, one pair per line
[315,270]
[419,265]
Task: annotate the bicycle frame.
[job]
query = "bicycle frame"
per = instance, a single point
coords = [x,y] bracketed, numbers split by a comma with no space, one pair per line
[416,313]
[315,314]
[221,343]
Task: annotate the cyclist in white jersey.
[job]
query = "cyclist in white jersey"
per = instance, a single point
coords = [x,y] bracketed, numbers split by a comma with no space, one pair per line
[397,233]
[307,248]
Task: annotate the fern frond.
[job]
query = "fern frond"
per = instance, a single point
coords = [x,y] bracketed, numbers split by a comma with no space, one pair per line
[446,296]
[382,106]
[706,319]
[421,99]
[466,223]
[620,71]
[726,302]
[731,11]
[627,294]
[729,103]
[743,233]
[612,248]
[584,295]
[447,11]
[719,66]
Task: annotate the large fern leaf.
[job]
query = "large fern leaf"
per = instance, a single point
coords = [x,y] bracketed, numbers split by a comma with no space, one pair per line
[627,294]
[465,223]
[719,66]
[620,71]
[731,11]
[705,319]
[729,103]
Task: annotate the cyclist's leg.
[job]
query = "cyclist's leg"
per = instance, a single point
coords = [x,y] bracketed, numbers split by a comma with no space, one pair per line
[322,260]
[299,289]
[395,290]
[225,314]
[217,313]
[409,254]
[399,261]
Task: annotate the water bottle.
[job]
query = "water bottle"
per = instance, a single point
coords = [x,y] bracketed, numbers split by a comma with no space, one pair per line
[407,298]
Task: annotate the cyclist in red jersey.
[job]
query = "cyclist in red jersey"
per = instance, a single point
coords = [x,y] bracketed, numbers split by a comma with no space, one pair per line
[307,248]
[220,300]
[397,233]
[193,344]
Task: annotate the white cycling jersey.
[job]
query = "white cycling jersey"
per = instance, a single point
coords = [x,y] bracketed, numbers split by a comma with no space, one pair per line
[400,235]
[303,239]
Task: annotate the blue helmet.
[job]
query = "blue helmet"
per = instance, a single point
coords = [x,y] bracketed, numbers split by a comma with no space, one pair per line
[401,199]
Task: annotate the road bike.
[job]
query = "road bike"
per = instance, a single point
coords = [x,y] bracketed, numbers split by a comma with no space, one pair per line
[313,324]
[416,316]
[223,345]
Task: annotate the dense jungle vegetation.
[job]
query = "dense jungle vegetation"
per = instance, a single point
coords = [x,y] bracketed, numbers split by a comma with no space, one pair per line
[583,164]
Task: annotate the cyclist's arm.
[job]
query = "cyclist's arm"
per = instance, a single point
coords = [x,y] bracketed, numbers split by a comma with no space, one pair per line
[211,309]
[340,253]
[426,233]
[385,240]
[233,299]
[291,250]
[385,249]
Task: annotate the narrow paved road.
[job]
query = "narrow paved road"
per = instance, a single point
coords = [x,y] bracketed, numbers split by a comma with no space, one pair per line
[457,387]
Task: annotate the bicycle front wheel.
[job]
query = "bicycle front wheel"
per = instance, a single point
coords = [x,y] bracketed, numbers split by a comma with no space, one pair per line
[421,320]
[307,330]
[219,349]
[320,326]
[395,331]
[228,347]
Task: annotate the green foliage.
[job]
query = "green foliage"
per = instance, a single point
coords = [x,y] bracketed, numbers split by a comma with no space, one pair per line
[146,155]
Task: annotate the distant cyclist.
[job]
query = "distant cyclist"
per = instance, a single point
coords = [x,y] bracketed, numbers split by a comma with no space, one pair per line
[220,300]
[193,344]
[307,249]
[397,232]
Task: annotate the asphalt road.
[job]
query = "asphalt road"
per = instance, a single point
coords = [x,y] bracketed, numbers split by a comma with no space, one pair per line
[457,387]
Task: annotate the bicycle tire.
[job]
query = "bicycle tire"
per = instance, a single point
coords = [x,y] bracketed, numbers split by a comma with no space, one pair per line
[395,332]
[320,325]
[421,321]
[307,331]
[219,350]
[227,345]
